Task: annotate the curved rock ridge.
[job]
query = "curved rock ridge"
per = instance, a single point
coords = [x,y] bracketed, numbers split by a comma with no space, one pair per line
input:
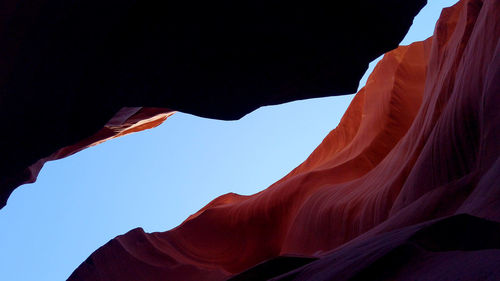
[406,187]
[126,121]
[67,67]
[234,232]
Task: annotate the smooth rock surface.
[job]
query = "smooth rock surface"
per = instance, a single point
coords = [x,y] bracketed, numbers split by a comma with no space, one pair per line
[407,187]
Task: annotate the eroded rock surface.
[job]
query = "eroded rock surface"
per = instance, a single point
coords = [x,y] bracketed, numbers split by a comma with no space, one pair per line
[126,121]
[407,187]
[67,67]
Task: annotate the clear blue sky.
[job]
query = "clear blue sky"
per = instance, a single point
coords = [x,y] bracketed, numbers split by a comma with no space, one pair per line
[156,178]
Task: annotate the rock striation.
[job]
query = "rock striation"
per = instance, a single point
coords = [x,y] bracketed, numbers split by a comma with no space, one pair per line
[126,121]
[407,187]
[67,67]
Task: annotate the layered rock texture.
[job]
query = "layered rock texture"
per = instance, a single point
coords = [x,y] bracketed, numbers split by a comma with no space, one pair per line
[68,67]
[407,187]
[126,121]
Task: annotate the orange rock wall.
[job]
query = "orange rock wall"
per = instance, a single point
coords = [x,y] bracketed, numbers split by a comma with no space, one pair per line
[126,121]
[420,142]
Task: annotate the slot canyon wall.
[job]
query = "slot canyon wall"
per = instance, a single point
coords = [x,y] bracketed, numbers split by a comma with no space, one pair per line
[407,187]
[68,67]
[126,121]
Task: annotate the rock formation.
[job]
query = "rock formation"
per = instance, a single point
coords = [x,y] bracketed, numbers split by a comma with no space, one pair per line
[67,67]
[407,187]
[126,121]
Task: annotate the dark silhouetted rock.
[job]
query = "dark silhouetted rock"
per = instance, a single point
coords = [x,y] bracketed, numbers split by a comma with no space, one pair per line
[67,67]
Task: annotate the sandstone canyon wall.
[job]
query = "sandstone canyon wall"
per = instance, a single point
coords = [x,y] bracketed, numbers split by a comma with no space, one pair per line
[407,187]
[126,121]
[68,67]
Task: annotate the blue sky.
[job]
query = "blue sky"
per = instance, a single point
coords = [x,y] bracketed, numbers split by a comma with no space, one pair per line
[156,178]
